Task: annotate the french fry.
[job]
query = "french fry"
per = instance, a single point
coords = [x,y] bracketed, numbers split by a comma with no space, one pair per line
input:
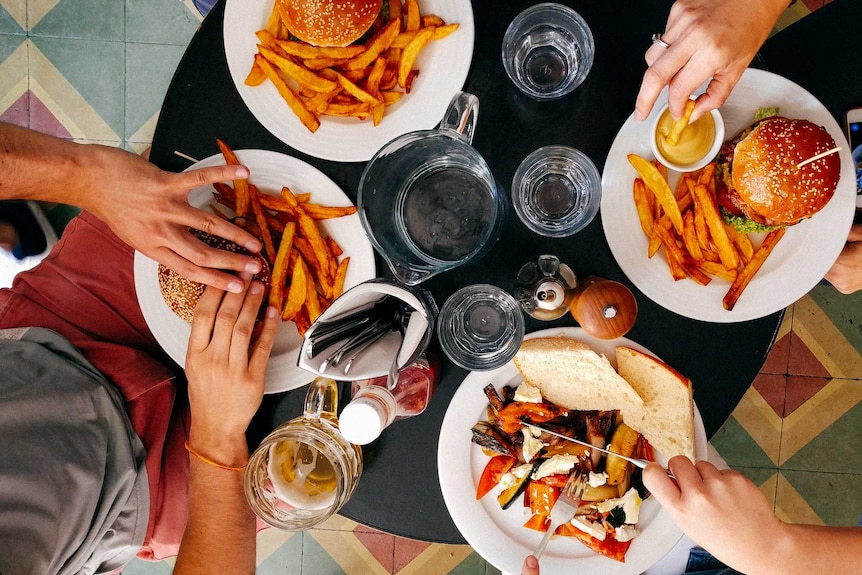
[645,211]
[256,76]
[412,18]
[340,275]
[240,187]
[659,186]
[411,52]
[318,212]
[745,276]
[718,270]
[312,304]
[309,52]
[302,75]
[440,32]
[717,231]
[278,275]
[673,252]
[308,119]
[679,125]
[376,46]
[296,294]
[260,219]
[689,237]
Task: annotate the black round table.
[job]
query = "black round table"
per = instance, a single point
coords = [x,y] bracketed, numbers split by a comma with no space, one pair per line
[399,491]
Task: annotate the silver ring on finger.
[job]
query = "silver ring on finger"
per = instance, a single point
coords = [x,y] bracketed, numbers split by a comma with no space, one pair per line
[656,39]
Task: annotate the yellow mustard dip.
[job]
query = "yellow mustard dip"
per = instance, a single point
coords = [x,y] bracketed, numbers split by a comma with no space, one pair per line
[694,142]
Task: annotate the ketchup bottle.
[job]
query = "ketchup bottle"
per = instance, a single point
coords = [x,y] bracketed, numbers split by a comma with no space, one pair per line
[374,407]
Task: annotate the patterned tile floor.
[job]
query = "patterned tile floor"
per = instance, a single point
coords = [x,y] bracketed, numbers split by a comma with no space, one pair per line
[97,70]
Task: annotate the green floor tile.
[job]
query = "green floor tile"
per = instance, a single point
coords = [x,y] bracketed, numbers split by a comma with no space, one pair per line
[83,19]
[96,69]
[9,43]
[8,25]
[845,311]
[138,567]
[160,22]
[315,559]
[286,560]
[836,449]
[149,69]
[738,448]
[473,564]
[835,497]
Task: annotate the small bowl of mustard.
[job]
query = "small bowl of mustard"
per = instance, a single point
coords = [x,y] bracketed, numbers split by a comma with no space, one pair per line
[698,143]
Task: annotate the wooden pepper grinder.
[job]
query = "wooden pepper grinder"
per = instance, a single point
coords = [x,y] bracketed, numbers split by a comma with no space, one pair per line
[604,308]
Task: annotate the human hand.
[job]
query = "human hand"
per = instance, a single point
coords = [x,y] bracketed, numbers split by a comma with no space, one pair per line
[721,510]
[148,209]
[846,273]
[531,566]
[225,369]
[708,39]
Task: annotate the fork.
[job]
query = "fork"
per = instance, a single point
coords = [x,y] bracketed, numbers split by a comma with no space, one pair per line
[564,508]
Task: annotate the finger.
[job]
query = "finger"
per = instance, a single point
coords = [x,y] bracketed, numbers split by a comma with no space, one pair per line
[707,469]
[226,320]
[657,76]
[659,484]
[263,346]
[206,176]
[222,280]
[204,318]
[531,566]
[201,254]
[244,325]
[717,92]
[214,225]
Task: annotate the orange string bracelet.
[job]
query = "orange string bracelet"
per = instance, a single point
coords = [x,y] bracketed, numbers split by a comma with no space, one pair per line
[206,459]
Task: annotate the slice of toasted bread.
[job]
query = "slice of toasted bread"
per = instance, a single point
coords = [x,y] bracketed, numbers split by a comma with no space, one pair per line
[666,417]
[570,374]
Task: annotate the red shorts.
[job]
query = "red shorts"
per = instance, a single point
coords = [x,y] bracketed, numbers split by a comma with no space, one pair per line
[85,291]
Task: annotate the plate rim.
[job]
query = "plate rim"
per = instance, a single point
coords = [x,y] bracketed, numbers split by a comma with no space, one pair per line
[447,76]
[628,246]
[482,541]
[171,332]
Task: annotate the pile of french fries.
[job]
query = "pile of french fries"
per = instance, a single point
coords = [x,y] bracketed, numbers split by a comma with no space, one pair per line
[359,80]
[688,224]
[306,275]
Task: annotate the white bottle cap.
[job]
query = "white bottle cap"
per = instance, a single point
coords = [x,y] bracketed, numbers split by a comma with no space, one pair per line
[362,420]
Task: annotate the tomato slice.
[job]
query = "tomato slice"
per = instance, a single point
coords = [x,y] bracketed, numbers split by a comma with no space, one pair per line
[610,547]
[494,470]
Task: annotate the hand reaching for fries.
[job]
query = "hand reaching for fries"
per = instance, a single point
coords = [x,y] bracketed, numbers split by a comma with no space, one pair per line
[709,40]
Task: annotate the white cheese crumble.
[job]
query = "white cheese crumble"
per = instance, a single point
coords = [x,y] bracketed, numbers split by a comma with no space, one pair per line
[532,445]
[562,463]
[593,528]
[528,392]
[514,475]
[625,533]
[630,502]
[597,479]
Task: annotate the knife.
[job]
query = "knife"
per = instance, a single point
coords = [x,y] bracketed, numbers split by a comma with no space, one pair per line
[642,463]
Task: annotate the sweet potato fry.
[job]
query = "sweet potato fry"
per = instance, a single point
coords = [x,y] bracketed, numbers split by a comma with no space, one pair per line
[260,219]
[296,293]
[256,76]
[308,119]
[340,275]
[376,46]
[240,187]
[745,276]
[312,304]
[411,52]
[302,75]
[278,275]
[318,212]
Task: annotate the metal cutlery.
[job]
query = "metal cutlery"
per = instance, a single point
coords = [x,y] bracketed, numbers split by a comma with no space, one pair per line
[564,508]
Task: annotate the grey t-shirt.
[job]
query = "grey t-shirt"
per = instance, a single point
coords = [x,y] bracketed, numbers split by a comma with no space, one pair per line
[73,486]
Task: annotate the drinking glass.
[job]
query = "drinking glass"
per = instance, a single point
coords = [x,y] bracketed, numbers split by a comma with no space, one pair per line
[548,51]
[480,327]
[556,191]
[304,471]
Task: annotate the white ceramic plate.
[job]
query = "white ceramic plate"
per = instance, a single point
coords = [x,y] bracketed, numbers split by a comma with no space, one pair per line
[498,535]
[442,65]
[798,262]
[270,171]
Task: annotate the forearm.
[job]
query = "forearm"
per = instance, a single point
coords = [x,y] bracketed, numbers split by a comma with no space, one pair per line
[36,166]
[220,534]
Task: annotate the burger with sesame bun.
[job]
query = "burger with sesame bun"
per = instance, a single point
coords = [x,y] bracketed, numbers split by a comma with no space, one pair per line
[330,22]
[759,183]
[182,294]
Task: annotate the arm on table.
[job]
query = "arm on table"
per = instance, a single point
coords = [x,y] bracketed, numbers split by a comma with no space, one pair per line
[846,272]
[709,39]
[226,384]
[728,516]
[146,207]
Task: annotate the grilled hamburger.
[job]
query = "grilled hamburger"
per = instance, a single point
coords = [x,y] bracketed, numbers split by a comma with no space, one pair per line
[329,22]
[758,182]
[182,294]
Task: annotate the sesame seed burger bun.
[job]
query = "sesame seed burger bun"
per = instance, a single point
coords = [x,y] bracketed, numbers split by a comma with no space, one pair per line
[182,294]
[758,175]
[329,22]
